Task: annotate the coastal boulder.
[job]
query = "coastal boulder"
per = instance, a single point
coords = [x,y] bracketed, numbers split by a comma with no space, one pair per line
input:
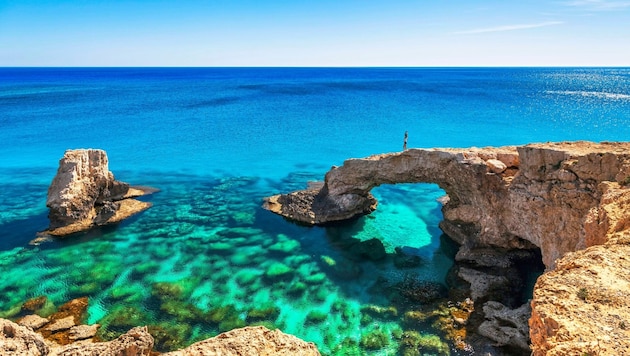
[505,326]
[20,340]
[251,340]
[135,342]
[84,194]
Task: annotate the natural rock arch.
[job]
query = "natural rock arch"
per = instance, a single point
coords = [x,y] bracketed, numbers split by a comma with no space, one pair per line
[547,195]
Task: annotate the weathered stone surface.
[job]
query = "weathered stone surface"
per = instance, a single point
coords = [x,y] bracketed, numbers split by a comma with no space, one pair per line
[505,326]
[34,304]
[581,307]
[560,197]
[256,340]
[82,332]
[135,342]
[76,308]
[61,324]
[20,340]
[540,199]
[33,321]
[496,166]
[483,285]
[85,194]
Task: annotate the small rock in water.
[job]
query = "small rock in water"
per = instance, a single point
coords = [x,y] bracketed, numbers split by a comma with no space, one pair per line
[33,321]
[82,332]
[278,270]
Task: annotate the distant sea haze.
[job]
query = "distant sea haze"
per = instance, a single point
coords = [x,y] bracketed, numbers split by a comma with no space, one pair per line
[218,140]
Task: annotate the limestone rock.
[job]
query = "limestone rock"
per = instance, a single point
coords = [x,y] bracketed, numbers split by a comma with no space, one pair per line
[84,194]
[539,199]
[496,166]
[82,332]
[33,321]
[559,197]
[20,340]
[135,342]
[581,307]
[483,285]
[256,340]
[505,326]
[61,324]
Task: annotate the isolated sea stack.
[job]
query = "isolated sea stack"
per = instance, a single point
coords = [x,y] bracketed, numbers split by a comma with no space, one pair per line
[84,194]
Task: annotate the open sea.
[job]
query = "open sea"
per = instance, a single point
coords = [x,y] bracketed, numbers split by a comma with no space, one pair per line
[206,257]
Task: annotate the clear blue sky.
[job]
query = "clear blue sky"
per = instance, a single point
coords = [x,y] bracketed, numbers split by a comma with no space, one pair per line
[315,33]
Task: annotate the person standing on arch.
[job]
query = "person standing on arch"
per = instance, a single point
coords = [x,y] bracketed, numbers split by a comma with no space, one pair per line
[405,141]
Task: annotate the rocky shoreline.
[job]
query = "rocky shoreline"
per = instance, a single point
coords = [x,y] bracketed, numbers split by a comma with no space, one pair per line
[555,198]
[62,334]
[563,207]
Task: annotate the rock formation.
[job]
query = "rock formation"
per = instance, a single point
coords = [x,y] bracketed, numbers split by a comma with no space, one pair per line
[22,340]
[559,197]
[251,340]
[581,307]
[507,197]
[506,326]
[85,194]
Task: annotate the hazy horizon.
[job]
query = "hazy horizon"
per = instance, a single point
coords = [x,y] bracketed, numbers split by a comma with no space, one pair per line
[282,33]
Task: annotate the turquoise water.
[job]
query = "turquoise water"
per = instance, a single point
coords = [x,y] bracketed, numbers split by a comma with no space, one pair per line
[206,257]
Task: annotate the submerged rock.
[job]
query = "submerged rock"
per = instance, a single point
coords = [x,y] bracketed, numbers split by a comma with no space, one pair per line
[374,340]
[34,304]
[371,249]
[415,344]
[85,194]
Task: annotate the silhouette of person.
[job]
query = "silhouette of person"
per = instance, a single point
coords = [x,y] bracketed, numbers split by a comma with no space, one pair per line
[405,141]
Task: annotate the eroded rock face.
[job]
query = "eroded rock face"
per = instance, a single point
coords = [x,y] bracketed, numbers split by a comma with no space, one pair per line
[85,194]
[505,326]
[560,197]
[507,197]
[20,340]
[135,342]
[251,340]
[581,307]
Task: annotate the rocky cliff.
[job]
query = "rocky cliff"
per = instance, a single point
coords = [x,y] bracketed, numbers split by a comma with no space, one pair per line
[570,199]
[543,195]
[84,194]
[581,307]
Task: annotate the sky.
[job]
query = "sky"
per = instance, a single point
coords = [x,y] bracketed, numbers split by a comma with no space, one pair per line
[338,33]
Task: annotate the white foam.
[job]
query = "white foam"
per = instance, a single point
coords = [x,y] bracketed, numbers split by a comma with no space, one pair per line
[592,94]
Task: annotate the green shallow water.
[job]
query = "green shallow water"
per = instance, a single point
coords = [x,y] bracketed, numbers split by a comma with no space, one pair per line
[207,258]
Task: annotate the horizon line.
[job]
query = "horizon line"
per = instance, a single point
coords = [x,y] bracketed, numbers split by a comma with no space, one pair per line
[324,66]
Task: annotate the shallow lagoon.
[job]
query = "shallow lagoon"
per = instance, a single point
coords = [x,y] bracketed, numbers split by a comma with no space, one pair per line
[206,258]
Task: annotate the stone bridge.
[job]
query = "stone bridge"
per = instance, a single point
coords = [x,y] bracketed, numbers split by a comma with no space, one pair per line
[547,195]
[562,197]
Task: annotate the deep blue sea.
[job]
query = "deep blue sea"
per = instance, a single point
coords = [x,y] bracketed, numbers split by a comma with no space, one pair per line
[206,257]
